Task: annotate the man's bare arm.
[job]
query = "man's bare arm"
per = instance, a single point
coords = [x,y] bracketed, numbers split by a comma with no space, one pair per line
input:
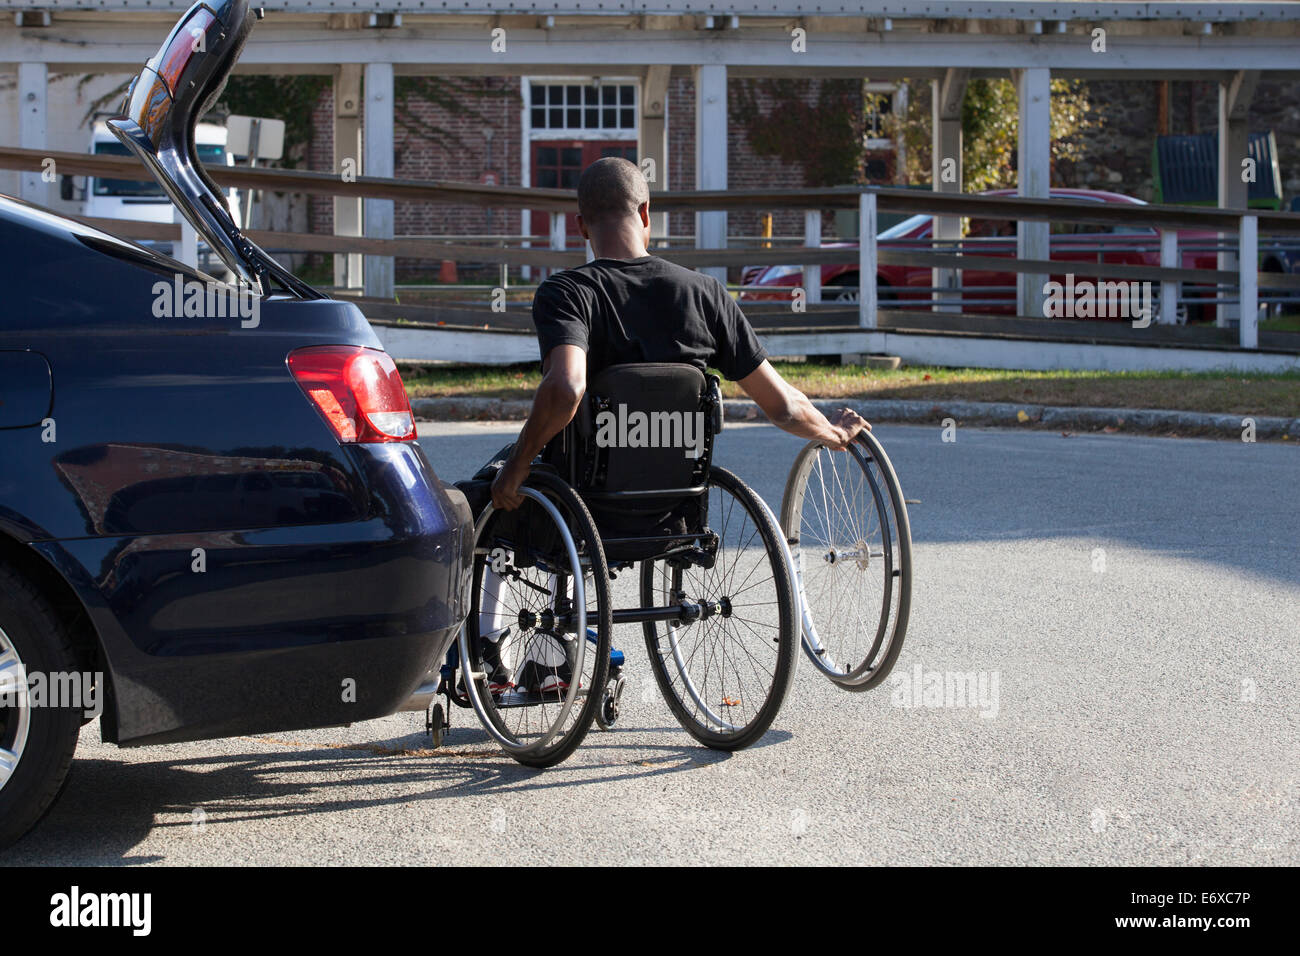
[790,410]
[564,382]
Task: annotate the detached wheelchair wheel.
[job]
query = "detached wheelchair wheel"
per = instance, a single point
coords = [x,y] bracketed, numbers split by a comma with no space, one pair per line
[726,676]
[845,519]
[540,592]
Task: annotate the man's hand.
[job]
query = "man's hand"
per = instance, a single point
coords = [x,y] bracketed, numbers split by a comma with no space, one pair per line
[505,486]
[789,409]
[847,423]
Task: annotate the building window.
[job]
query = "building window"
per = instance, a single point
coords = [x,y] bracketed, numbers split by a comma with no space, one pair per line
[878,107]
[576,106]
[558,167]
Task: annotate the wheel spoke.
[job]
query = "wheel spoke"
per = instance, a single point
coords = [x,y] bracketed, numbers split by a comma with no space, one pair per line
[546,610]
[727,674]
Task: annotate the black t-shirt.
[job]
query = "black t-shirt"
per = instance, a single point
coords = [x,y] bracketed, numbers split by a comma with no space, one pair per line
[645,310]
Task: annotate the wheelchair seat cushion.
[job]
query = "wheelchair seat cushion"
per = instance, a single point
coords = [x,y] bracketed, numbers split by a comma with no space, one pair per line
[642,428]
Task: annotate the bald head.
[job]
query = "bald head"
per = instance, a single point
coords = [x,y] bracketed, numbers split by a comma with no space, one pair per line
[610,192]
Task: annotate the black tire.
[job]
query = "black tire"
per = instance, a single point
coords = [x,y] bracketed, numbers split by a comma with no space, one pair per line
[844,289]
[693,713]
[41,642]
[589,692]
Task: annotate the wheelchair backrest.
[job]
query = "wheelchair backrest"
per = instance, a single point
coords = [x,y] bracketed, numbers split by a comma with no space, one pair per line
[643,438]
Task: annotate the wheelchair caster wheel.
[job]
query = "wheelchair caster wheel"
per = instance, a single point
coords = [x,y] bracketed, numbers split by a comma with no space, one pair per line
[436,723]
[609,709]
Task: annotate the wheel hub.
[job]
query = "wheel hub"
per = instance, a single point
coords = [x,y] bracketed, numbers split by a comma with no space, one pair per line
[858,554]
[547,619]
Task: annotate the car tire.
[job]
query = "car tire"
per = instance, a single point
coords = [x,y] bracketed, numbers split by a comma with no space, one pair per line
[38,741]
[843,289]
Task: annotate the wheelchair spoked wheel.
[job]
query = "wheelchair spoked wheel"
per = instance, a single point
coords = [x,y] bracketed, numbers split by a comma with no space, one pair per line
[726,675]
[540,587]
[845,519]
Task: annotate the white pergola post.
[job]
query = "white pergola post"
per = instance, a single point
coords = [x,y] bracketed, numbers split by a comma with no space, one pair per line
[867,260]
[347,154]
[32,84]
[946,97]
[1169,259]
[711,157]
[1034,165]
[1235,95]
[652,139]
[1248,330]
[378,161]
[812,239]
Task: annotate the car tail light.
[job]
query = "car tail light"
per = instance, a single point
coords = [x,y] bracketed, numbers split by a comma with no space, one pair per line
[357,390]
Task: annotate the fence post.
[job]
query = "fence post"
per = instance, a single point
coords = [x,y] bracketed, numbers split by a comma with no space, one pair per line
[1169,289]
[1248,264]
[867,260]
[33,82]
[348,214]
[711,129]
[377,160]
[558,238]
[187,250]
[812,239]
[1034,167]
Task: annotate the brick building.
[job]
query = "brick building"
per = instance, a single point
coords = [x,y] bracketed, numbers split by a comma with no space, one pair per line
[567,123]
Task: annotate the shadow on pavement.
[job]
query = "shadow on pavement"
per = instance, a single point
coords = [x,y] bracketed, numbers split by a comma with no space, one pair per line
[110,807]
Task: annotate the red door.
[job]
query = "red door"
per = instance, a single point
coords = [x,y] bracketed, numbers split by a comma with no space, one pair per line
[557,164]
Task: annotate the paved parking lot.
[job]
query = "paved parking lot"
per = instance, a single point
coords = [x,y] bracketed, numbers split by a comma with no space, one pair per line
[1131,604]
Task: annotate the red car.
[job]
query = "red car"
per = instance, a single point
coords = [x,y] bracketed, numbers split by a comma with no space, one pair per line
[994,291]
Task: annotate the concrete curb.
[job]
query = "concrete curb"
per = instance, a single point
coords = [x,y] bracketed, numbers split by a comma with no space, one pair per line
[929,412]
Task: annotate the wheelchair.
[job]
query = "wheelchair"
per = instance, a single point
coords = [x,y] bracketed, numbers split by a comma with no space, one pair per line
[725,589]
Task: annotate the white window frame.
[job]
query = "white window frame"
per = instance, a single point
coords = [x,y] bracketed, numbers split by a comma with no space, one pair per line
[529,134]
[631,132]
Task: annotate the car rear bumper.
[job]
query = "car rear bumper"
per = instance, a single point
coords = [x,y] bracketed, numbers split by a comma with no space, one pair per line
[212,634]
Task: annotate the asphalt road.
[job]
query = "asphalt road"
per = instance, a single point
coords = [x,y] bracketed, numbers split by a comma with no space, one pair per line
[1137,601]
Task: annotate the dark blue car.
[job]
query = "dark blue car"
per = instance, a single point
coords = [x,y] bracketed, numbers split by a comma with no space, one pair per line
[214,516]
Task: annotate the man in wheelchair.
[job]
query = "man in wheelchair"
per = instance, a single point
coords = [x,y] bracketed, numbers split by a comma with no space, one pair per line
[629,308]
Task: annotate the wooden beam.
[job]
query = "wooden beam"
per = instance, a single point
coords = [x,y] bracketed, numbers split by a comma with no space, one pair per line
[839,197]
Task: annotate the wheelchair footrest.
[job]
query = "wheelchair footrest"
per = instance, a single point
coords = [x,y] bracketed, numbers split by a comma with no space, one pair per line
[520,698]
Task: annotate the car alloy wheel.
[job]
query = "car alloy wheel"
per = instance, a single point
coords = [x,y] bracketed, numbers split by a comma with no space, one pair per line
[15,714]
